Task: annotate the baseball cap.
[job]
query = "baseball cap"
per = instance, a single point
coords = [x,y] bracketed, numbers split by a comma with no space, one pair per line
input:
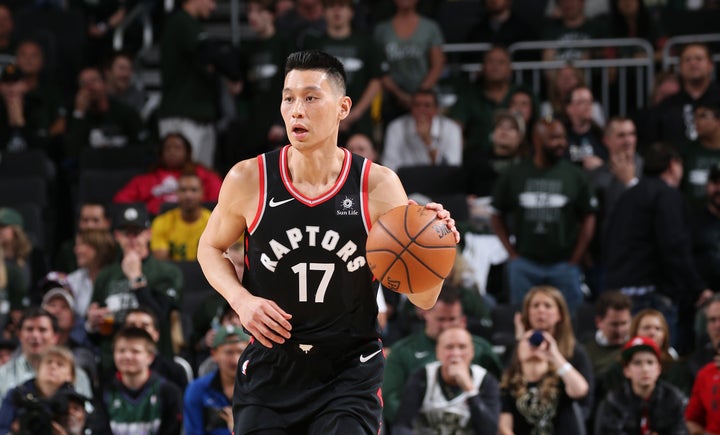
[229,334]
[714,173]
[637,344]
[129,216]
[59,292]
[10,216]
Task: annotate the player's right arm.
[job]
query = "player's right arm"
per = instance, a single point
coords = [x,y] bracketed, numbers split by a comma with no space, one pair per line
[237,205]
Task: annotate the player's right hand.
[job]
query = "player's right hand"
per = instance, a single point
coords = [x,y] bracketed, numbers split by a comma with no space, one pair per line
[265,320]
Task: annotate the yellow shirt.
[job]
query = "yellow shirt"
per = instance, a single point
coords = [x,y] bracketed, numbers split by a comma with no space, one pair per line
[171,233]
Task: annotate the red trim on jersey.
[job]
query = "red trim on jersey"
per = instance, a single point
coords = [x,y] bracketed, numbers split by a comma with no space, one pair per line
[364,181]
[262,195]
[379,394]
[312,202]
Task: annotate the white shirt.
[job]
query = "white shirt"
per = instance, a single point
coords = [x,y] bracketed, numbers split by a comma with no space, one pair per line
[82,289]
[404,147]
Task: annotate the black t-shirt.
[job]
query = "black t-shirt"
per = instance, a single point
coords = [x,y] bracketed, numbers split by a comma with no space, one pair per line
[529,412]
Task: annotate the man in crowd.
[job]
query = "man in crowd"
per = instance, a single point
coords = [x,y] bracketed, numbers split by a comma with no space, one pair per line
[700,155]
[137,279]
[37,332]
[100,121]
[416,350]
[176,232]
[554,214]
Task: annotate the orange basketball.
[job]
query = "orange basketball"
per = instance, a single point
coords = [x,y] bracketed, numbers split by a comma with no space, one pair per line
[409,250]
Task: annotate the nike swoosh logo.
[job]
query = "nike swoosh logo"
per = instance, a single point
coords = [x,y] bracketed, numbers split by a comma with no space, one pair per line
[421,355]
[274,203]
[364,359]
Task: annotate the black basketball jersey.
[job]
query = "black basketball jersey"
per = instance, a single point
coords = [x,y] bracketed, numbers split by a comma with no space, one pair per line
[308,254]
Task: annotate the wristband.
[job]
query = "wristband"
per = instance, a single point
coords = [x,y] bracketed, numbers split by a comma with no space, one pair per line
[562,371]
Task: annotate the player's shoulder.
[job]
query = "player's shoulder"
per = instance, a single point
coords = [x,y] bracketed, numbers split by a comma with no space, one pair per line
[380,174]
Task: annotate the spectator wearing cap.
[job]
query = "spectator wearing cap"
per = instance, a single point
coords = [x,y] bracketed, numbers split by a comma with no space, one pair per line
[175,233]
[648,250]
[159,184]
[208,399]
[99,120]
[644,404]
[422,137]
[71,333]
[18,247]
[484,166]
[32,112]
[700,155]
[706,231]
[38,331]
[138,279]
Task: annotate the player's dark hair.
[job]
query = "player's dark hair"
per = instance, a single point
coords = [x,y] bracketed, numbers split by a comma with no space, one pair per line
[658,158]
[318,60]
[612,299]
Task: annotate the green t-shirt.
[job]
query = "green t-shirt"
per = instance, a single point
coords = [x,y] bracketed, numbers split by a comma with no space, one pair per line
[412,353]
[408,57]
[188,89]
[112,290]
[697,161]
[547,205]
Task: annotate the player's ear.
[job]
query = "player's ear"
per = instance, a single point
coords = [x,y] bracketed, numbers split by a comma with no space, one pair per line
[344,109]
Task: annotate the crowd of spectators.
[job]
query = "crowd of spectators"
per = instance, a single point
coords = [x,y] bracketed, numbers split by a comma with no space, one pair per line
[588,208]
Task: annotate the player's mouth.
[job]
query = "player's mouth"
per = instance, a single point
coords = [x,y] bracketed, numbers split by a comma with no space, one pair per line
[299,132]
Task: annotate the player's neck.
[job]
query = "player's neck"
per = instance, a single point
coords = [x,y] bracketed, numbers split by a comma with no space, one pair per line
[318,167]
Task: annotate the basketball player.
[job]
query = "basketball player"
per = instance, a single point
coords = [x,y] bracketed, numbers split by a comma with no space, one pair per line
[315,363]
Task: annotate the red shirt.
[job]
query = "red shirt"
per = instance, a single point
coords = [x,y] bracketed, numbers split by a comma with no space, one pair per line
[704,405]
[154,188]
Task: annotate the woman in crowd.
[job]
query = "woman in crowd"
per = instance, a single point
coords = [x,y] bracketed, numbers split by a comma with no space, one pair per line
[539,388]
[545,309]
[18,248]
[160,184]
[94,249]
[562,81]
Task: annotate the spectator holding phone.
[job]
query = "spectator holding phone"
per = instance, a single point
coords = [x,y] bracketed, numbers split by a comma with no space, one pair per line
[539,387]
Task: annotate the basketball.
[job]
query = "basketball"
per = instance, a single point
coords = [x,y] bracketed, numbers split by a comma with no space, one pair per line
[409,250]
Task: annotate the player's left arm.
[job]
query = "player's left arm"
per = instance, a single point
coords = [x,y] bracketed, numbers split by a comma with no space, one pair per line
[385,193]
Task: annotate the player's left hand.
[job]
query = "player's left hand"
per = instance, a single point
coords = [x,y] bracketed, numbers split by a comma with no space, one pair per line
[443,215]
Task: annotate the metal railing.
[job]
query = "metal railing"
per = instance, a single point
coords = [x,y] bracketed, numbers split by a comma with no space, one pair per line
[643,76]
[670,59]
[141,12]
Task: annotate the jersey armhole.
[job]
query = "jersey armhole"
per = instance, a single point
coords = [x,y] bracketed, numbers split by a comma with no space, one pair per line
[364,195]
[262,194]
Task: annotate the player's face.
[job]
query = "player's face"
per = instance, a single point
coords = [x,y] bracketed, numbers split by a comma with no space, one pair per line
[643,370]
[312,108]
[543,313]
